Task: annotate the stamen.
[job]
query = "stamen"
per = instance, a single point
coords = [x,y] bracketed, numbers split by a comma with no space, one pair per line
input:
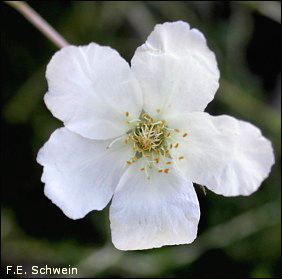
[181,158]
[144,115]
[134,120]
[115,140]
[149,141]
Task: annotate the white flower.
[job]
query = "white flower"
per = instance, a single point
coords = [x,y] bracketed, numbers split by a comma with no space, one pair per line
[139,136]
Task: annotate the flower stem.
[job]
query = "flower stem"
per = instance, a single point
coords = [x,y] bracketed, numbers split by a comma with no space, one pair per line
[43,26]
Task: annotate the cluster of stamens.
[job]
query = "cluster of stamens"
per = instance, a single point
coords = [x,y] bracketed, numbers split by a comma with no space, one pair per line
[149,140]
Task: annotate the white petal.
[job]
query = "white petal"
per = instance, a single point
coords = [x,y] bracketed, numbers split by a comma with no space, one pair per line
[151,213]
[228,156]
[80,174]
[90,90]
[176,69]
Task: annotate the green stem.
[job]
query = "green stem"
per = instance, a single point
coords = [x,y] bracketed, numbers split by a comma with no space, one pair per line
[43,26]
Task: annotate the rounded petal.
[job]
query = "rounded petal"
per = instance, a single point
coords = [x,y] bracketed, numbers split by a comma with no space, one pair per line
[80,174]
[176,69]
[90,88]
[145,214]
[228,156]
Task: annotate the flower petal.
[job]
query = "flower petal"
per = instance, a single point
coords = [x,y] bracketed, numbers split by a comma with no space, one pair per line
[90,89]
[80,174]
[228,156]
[151,213]
[176,69]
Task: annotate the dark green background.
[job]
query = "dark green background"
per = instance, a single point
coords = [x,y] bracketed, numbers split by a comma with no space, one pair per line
[238,237]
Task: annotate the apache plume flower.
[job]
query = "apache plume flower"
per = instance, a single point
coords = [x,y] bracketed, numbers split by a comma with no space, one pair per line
[138,135]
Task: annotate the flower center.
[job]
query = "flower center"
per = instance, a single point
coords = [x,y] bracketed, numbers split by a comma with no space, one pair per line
[149,136]
[152,140]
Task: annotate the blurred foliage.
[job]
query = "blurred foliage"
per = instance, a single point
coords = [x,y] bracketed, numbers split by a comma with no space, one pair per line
[238,237]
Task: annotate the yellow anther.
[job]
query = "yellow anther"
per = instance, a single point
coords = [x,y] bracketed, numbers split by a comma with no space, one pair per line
[126,141]
[170,146]
[184,135]
[158,110]
[144,115]
[142,169]
[166,170]
[160,170]
[127,114]
[176,130]
[157,160]
[176,145]
[181,158]
[168,163]
[129,163]
[134,159]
